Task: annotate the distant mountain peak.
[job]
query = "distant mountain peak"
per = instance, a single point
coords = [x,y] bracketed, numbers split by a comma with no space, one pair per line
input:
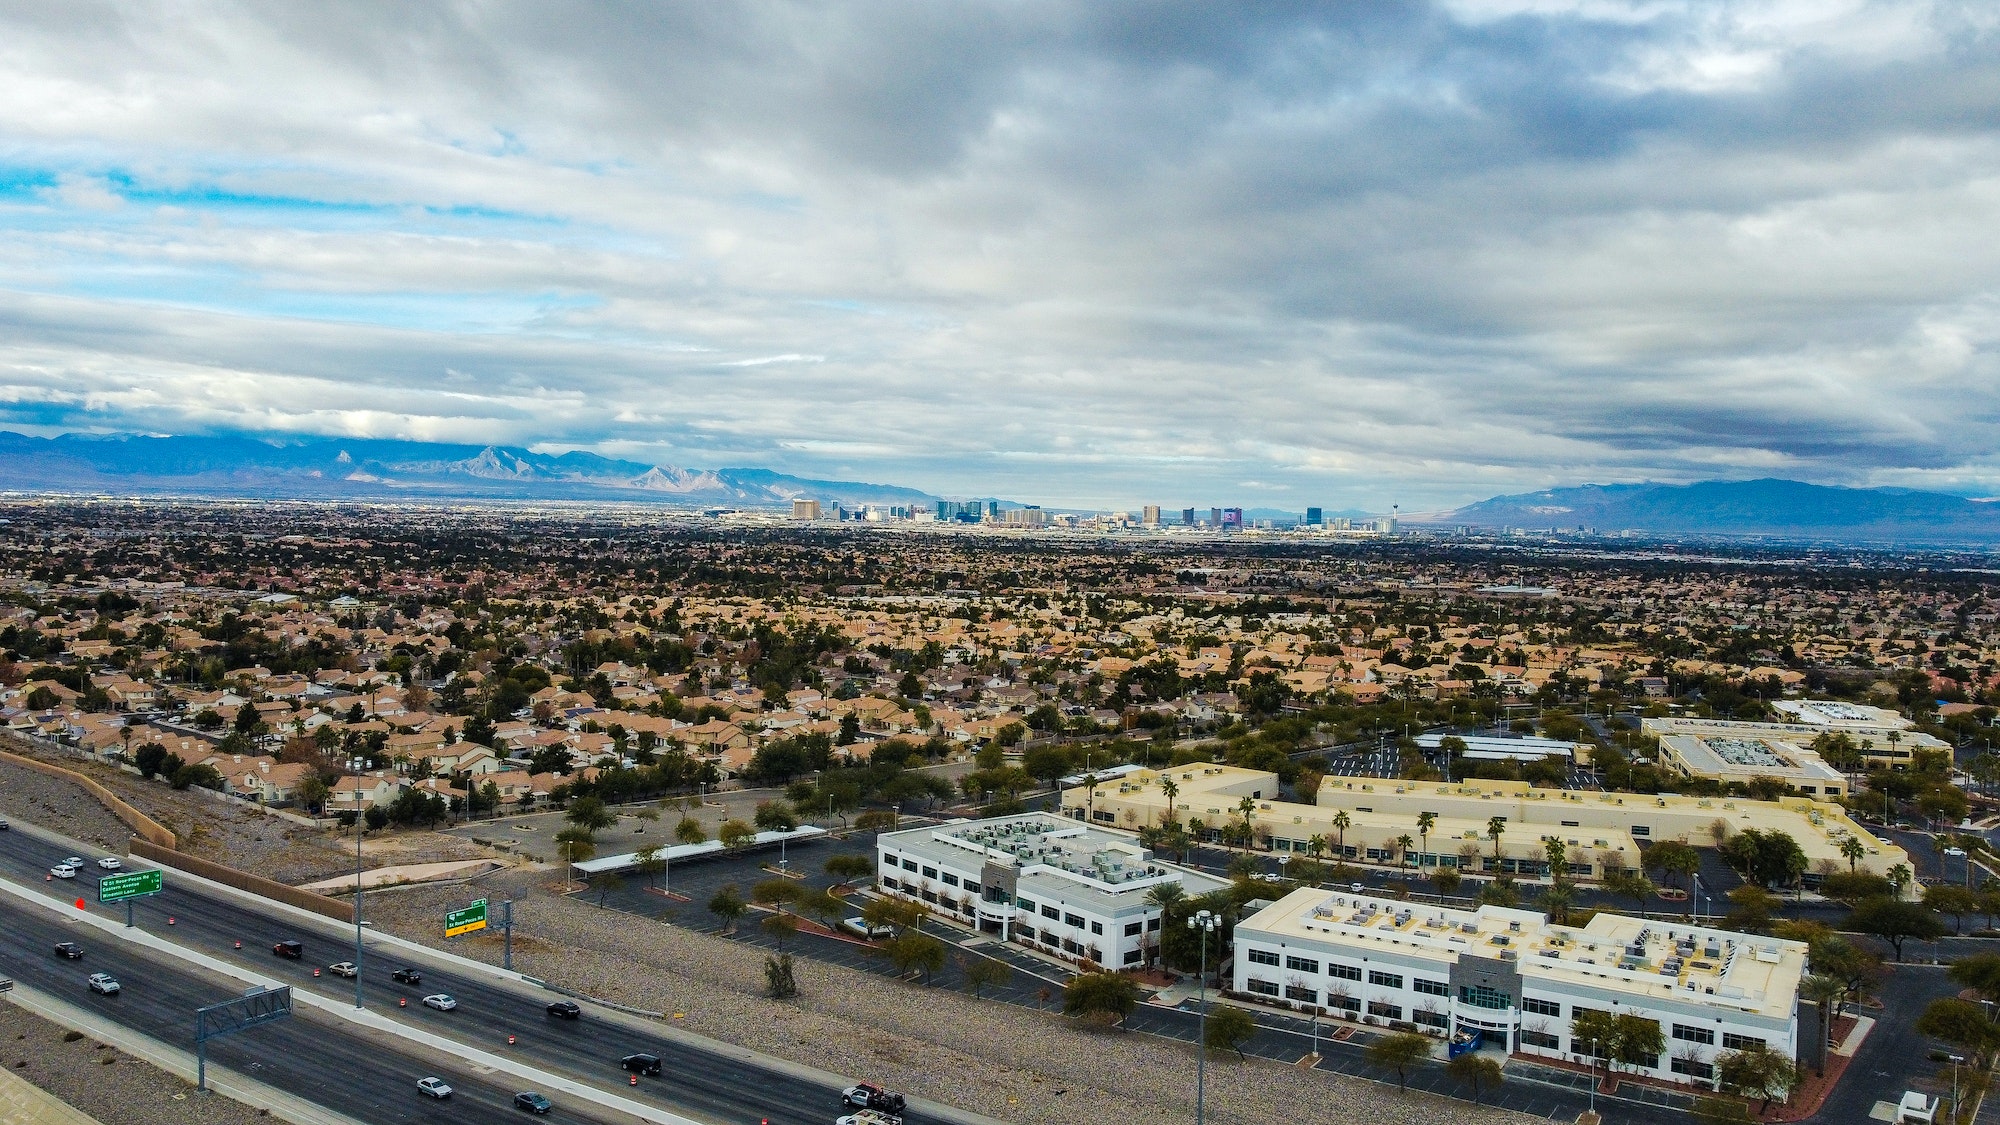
[1764,507]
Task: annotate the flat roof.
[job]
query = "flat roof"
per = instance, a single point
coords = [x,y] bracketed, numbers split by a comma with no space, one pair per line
[1661,961]
[674,852]
[1495,747]
[1725,756]
[1055,857]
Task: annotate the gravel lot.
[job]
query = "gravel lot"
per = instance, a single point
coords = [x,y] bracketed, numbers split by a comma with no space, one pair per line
[980,1056]
[56,804]
[104,1082]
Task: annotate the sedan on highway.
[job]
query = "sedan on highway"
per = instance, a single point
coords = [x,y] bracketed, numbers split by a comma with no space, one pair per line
[532,1102]
[343,969]
[440,1001]
[110,863]
[73,861]
[565,1009]
[407,975]
[433,1087]
[103,983]
[69,949]
[642,1063]
[63,871]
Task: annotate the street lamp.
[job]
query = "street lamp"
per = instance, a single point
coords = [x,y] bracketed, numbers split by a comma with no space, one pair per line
[1593,1076]
[1207,923]
[358,764]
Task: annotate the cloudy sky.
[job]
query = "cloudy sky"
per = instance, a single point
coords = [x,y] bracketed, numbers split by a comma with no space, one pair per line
[1090,253]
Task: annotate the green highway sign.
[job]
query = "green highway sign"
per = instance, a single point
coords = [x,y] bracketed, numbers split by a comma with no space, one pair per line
[129,884]
[465,921]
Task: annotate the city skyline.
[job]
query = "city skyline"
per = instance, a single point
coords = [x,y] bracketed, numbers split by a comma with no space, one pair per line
[1086,255]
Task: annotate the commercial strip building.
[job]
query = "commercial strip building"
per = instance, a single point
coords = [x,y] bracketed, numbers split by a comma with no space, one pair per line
[1883,737]
[1521,981]
[1044,881]
[1600,831]
[1734,759]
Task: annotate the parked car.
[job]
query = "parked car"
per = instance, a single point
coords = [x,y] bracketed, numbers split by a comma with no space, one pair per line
[864,1095]
[63,871]
[343,969]
[104,984]
[433,1087]
[69,949]
[407,975]
[532,1102]
[565,1009]
[291,949]
[440,1001]
[642,1063]
[110,863]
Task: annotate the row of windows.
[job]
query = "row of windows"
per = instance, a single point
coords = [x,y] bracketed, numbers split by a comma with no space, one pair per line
[1431,987]
[1385,980]
[1694,1034]
[1541,1007]
[1263,957]
[1733,1042]
[891,860]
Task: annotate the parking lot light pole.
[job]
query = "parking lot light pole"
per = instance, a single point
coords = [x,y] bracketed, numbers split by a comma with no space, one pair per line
[357,763]
[1206,923]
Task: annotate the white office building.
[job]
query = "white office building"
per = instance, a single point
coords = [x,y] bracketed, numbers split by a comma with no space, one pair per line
[1522,981]
[1044,881]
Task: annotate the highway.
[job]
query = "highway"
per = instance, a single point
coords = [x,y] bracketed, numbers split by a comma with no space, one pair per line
[712,1082]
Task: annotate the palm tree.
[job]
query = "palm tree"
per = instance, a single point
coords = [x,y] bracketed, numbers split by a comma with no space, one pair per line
[1340,823]
[1172,791]
[1090,795]
[1425,822]
[1853,849]
[1316,846]
[1495,827]
[1403,846]
[1557,900]
[1246,808]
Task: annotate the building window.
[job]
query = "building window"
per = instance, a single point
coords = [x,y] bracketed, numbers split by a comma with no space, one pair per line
[1480,996]
[1131,957]
[930,872]
[1641,830]
[1301,993]
[971,887]
[1074,921]
[1541,1007]
[1026,904]
[1263,987]
[909,865]
[1541,1039]
[930,896]
[1152,925]
[1430,1019]
[950,880]
[1344,1003]
[1694,1034]
[888,859]
[1097,927]
[1693,1069]
[1302,964]
[1131,929]
[1262,957]
[1385,1009]
[1051,912]
[1733,1042]
[1385,980]
[1344,972]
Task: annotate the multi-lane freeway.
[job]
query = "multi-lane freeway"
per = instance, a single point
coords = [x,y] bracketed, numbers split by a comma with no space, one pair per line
[371,1075]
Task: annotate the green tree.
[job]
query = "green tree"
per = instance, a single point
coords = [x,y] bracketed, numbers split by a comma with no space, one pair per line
[574,844]
[589,813]
[780,927]
[982,973]
[1229,1027]
[848,867]
[1425,822]
[649,863]
[776,816]
[1477,1070]
[1446,880]
[1621,1038]
[913,952]
[779,893]
[1894,921]
[1962,1024]
[1399,1052]
[728,905]
[736,835]
[606,884]
[1953,900]
[1758,1072]
[690,831]
[1495,828]
[1106,996]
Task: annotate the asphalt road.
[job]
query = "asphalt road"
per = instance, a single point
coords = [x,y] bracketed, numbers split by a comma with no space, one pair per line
[706,1082]
[316,1058]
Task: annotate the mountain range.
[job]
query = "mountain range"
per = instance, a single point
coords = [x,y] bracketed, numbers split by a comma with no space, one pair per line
[1777,508]
[324,468]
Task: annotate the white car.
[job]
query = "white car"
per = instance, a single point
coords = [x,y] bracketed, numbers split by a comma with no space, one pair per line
[343,969]
[104,983]
[110,863]
[63,871]
[433,1087]
[73,861]
[440,1001]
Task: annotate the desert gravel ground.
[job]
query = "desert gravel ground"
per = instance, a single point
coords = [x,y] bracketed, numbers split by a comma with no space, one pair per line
[104,1082]
[979,1055]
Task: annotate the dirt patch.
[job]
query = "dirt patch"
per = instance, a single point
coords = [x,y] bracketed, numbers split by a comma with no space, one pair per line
[104,1082]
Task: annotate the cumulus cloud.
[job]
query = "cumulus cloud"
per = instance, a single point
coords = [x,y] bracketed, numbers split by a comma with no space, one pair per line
[1077,252]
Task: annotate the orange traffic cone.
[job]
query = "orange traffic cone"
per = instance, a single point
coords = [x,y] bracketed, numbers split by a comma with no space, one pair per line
[403,1002]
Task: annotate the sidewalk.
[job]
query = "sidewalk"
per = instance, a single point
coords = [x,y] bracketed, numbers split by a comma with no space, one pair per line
[23,1103]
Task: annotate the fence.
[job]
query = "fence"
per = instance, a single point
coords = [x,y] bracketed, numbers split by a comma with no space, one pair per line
[244,881]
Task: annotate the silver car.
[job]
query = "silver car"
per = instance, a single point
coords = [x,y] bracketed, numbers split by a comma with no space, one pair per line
[104,983]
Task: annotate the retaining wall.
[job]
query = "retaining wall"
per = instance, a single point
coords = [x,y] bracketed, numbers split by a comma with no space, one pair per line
[244,881]
[142,826]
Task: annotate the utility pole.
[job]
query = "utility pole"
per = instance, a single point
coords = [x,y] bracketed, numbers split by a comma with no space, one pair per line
[357,763]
